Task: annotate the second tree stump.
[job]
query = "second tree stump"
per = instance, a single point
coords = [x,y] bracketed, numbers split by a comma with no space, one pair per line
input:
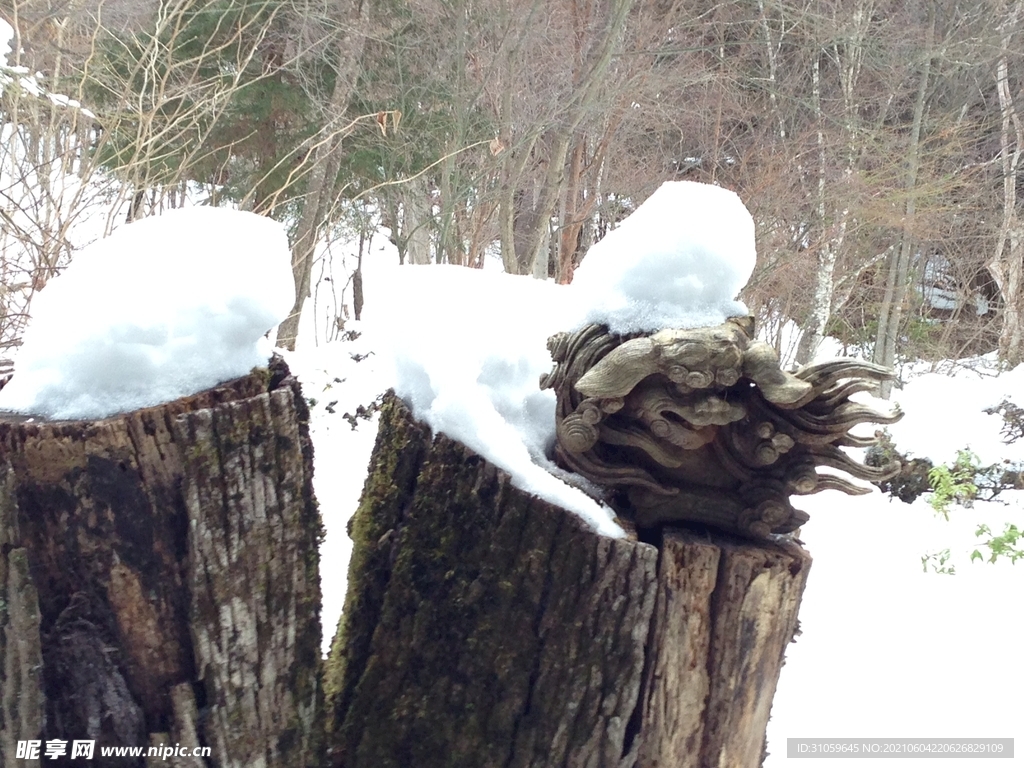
[485,627]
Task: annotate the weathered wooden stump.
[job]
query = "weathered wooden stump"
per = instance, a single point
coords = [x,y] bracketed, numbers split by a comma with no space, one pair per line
[484,627]
[159,579]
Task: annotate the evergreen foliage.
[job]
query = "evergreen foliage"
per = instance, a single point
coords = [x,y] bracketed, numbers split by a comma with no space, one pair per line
[211,92]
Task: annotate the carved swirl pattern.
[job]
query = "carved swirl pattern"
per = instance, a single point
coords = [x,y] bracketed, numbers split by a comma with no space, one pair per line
[704,426]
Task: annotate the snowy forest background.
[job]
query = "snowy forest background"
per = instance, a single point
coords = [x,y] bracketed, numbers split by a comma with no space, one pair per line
[877,144]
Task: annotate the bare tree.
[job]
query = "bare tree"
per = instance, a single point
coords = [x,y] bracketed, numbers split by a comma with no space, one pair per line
[353,18]
[899,261]
[1007,265]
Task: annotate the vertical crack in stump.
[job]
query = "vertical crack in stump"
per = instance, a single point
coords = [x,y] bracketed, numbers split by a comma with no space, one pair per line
[677,678]
[255,607]
[755,608]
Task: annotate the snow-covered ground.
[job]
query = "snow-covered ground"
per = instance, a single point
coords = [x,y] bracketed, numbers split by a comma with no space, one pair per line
[887,649]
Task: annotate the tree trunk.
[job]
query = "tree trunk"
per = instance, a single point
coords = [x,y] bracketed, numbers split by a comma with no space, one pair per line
[485,627]
[1007,264]
[831,241]
[897,286]
[352,17]
[159,571]
[416,221]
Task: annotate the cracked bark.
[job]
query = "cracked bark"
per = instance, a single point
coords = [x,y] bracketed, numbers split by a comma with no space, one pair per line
[484,627]
[159,573]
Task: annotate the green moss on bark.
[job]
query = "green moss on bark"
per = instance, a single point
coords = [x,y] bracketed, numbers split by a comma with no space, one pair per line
[466,598]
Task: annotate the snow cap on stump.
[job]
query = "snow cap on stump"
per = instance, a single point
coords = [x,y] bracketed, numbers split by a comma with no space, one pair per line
[678,261]
[165,307]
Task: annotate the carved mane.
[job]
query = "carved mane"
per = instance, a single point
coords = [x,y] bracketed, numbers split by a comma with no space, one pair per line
[703,425]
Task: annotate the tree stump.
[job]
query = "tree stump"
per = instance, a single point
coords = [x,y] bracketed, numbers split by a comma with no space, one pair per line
[485,627]
[159,580]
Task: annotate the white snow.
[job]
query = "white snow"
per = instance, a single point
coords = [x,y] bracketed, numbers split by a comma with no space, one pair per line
[889,651]
[336,379]
[677,262]
[467,349]
[163,308]
[961,397]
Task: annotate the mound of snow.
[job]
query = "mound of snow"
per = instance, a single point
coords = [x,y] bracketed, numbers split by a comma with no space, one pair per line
[165,307]
[467,349]
[678,261]
[962,398]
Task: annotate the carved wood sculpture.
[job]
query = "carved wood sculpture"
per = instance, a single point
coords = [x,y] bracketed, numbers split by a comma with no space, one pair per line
[704,426]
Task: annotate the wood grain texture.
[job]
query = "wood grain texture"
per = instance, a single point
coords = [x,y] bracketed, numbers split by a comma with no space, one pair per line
[726,611]
[678,680]
[113,520]
[253,580]
[21,656]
